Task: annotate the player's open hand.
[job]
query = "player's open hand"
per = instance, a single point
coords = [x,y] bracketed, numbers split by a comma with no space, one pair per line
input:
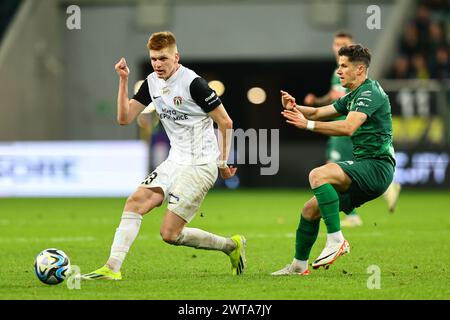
[228,172]
[287,100]
[122,69]
[295,117]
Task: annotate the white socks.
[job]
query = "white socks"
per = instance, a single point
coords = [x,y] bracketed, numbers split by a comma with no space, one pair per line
[125,235]
[200,239]
[128,230]
[335,237]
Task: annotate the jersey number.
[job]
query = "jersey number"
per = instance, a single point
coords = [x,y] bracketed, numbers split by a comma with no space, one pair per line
[152,176]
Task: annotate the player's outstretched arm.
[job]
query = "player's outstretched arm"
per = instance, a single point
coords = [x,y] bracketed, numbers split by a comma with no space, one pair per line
[127,110]
[225,134]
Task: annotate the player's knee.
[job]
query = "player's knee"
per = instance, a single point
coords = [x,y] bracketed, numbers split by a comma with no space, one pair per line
[310,211]
[316,177]
[306,211]
[169,236]
[140,204]
[134,200]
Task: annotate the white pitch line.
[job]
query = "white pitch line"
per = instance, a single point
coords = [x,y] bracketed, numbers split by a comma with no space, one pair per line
[249,236]
[52,239]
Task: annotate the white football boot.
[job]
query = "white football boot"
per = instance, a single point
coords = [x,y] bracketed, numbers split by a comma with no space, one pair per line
[290,270]
[330,253]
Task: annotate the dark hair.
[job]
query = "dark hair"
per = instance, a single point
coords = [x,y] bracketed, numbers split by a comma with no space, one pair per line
[356,53]
[343,34]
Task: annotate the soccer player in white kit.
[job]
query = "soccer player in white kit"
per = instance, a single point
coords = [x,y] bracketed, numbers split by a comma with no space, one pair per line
[187,107]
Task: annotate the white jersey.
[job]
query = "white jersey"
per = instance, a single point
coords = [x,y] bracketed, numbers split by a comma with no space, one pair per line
[182,103]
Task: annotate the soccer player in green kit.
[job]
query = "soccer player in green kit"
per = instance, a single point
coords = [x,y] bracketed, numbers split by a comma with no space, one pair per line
[339,148]
[344,185]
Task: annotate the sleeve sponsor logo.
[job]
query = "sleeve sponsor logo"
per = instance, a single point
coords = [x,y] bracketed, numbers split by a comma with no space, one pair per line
[212,96]
[361,104]
[213,101]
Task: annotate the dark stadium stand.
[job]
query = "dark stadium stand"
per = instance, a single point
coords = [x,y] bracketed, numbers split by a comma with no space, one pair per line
[424,46]
[8,9]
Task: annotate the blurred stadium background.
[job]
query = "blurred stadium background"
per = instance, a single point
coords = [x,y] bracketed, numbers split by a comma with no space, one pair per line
[59,138]
[59,84]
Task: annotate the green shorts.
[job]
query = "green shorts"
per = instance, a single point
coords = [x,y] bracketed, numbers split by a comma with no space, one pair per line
[370,179]
[339,149]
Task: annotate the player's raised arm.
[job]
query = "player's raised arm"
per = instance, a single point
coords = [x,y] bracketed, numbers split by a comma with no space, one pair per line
[127,110]
[225,134]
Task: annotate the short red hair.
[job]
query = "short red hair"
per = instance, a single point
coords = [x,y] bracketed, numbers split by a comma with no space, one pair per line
[161,40]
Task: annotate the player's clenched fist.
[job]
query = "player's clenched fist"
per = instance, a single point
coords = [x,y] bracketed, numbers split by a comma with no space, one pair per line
[227,172]
[122,69]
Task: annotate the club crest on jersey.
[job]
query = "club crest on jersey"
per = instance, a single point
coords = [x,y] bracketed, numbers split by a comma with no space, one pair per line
[177,101]
[165,90]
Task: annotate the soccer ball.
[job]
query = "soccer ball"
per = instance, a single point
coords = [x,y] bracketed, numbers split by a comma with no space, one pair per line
[52,266]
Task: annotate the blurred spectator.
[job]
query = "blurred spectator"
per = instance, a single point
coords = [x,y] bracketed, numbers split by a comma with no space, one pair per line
[410,41]
[436,4]
[422,22]
[441,67]
[424,45]
[437,36]
[439,9]
[401,68]
[419,67]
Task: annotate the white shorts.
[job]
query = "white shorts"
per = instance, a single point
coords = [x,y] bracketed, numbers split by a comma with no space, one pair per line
[184,186]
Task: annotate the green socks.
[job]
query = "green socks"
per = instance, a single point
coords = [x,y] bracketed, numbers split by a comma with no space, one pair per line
[328,200]
[306,236]
[307,231]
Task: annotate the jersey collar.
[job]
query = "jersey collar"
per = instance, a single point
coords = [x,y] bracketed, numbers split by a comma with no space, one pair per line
[358,87]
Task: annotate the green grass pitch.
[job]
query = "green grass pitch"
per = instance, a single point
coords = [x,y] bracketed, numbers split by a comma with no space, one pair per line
[411,248]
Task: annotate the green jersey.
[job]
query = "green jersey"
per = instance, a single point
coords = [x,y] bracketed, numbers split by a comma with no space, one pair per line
[374,138]
[338,148]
